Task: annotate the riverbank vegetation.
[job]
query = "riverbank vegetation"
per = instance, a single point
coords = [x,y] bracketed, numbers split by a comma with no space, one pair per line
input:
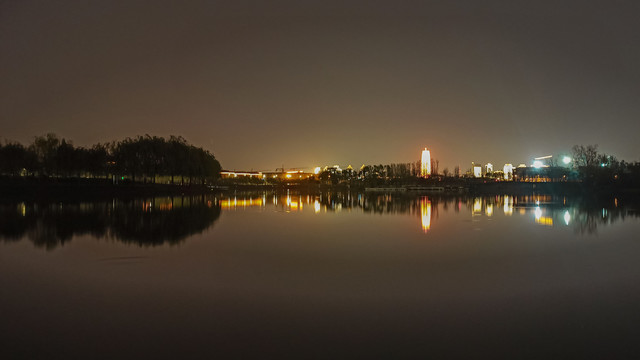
[146,159]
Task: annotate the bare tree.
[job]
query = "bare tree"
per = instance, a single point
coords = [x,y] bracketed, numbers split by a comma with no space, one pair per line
[585,155]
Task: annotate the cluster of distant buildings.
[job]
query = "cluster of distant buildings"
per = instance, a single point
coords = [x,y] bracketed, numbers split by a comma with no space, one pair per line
[279,174]
[540,170]
[543,169]
[282,174]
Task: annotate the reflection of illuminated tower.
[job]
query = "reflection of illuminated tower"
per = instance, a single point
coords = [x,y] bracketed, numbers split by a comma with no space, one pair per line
[425,214]
[425,164]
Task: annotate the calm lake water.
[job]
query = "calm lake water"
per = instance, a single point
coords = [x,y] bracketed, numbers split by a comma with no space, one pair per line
[321,276]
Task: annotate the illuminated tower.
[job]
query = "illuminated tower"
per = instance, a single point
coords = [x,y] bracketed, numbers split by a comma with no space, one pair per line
[425,166]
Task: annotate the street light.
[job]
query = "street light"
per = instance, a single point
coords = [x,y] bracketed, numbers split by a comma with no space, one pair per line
[566,160]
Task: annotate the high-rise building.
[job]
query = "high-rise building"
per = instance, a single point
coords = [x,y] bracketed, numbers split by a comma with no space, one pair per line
[488,168]
[425,163]
[476,169]
[508,171]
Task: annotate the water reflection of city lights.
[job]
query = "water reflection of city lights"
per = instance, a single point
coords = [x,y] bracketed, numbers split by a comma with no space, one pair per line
[425,214]
[316,206]
[545,221]
[542,220]
[477,205]
[489,210]
[508,205]
[169,206]
[235,202]
[567,217]
[537,212]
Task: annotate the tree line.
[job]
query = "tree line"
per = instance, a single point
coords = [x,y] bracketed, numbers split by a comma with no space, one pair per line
[601,169]
[142,158]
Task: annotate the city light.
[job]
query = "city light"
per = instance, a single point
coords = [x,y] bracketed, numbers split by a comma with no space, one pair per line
[539,163]
[538,213]
[425,165]
[317,170]
[567,217]
[566,160]
[508,171]
[477,171]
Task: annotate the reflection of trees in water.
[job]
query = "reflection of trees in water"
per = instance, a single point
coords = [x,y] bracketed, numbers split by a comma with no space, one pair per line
[588,214]
[145,222]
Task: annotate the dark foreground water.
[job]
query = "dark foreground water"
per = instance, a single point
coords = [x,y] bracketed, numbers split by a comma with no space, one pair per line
[321,276]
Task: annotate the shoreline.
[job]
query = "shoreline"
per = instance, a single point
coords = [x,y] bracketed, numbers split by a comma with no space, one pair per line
[36,188]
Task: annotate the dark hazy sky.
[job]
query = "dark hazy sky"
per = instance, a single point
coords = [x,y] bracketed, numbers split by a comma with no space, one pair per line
[306,83]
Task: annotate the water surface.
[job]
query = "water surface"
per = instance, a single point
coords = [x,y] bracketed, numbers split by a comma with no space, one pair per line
[324,275]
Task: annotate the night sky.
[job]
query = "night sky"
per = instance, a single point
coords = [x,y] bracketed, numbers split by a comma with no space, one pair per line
[303,83]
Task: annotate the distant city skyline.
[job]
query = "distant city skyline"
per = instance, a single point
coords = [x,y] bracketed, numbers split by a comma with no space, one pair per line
[301,84]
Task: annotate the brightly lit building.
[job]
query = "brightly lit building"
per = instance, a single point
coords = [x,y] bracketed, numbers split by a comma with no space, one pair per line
[488,168]
[425,163]
[477,170]
[508,171]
